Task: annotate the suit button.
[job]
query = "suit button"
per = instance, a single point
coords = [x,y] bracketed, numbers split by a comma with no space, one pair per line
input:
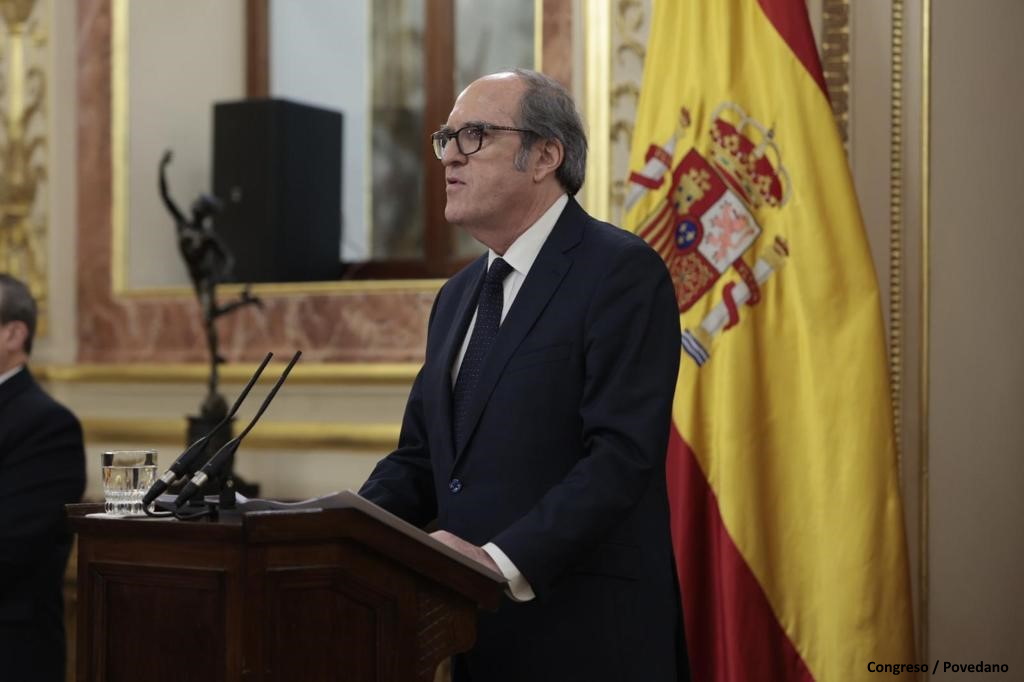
[454,485]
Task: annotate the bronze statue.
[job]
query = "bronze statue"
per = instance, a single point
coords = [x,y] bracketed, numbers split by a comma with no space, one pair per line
[209,263]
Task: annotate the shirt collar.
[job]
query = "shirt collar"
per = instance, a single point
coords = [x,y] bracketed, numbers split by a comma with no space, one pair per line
[524,250]
[10,373]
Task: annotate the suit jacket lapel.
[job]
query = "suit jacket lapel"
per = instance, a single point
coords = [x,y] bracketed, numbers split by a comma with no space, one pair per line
[14,386]
[441,381]
[543,280]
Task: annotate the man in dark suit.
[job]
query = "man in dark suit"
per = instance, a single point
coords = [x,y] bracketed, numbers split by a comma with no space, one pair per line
[42,468]
[535,433]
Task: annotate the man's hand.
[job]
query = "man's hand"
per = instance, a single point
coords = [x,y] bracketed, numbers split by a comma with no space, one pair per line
[462,547]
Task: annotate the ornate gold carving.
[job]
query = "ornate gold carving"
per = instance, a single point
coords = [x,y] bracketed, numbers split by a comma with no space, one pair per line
[630,17]
[630,40]
[835,60]
[23,168]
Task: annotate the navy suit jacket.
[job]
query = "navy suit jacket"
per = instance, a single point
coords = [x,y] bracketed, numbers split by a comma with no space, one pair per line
[564,464]
[42,468]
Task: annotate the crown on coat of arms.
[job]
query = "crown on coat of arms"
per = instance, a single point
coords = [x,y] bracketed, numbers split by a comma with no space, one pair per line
[745,153]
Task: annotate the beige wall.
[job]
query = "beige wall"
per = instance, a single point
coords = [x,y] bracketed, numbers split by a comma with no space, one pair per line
[179,63]
[58,343]
[959,203]
[977,370]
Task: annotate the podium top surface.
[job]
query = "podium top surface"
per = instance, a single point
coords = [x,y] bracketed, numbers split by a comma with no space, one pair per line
[338,518]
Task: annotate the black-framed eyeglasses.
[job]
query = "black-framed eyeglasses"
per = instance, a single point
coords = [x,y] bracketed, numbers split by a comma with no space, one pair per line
[469,138]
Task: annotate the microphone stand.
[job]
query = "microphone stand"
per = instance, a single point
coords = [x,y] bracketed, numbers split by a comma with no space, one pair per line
[185,464]
[219,467]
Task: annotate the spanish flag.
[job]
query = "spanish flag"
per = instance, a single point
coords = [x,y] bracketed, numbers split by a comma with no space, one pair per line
[785,497]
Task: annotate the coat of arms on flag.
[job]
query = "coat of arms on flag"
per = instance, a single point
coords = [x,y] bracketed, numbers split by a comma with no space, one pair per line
[706,222]
[783,482]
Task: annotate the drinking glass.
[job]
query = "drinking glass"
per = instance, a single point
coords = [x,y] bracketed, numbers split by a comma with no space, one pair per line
[127,475]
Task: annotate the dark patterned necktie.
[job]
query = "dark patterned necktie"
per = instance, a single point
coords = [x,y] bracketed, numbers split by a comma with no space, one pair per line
[488,319]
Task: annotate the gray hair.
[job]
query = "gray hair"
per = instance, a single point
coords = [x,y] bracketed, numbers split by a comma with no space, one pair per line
[17,304]
[547,109]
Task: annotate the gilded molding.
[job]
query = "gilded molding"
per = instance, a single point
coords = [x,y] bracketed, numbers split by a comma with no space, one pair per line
[119,113]
[597,32]
[118,142]
[23,147]
[630,16]
[327,373]
[835,61]
[270,435]
[925,350]
[630,40]
[538,35]
[283,288]
[896,227]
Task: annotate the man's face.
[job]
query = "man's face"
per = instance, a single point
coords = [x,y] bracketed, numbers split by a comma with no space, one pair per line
[485,192]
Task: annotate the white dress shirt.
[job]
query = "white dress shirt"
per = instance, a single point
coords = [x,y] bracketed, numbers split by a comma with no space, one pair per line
[520,255]
[10,373]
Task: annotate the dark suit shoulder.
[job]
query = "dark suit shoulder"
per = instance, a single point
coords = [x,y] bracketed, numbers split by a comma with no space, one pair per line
[467,276]
[27,410]
[37,402]
[452,291]
[613,246]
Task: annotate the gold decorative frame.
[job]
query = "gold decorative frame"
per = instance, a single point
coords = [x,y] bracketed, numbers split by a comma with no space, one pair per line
[119,136]
[119,211]
[119,217]
[538,35]
[271,435]
[375,373]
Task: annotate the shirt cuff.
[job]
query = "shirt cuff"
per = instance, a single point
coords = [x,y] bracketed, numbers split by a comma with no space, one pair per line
[518,588]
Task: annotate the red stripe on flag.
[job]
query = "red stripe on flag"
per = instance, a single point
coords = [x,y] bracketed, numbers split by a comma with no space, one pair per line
[730,305]
[732,635]
[649,183]
[656,152]
[789,17]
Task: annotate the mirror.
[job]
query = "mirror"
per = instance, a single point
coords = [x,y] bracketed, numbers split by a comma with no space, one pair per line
[367,59]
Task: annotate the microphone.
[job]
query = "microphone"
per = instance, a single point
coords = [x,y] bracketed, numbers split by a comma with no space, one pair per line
[185,459]
[226,454]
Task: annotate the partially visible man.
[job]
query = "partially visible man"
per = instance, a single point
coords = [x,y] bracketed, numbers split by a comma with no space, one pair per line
[535,433]
[42,468]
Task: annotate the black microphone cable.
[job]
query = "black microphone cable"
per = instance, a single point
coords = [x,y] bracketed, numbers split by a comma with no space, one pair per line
[185,459]
[227,452]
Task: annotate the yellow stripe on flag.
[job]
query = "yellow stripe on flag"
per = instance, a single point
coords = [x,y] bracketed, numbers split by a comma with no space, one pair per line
[789,417]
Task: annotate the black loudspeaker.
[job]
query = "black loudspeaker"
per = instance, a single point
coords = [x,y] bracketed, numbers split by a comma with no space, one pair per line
[277,169]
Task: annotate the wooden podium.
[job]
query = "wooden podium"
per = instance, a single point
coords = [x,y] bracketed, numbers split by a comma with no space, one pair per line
[334,594]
